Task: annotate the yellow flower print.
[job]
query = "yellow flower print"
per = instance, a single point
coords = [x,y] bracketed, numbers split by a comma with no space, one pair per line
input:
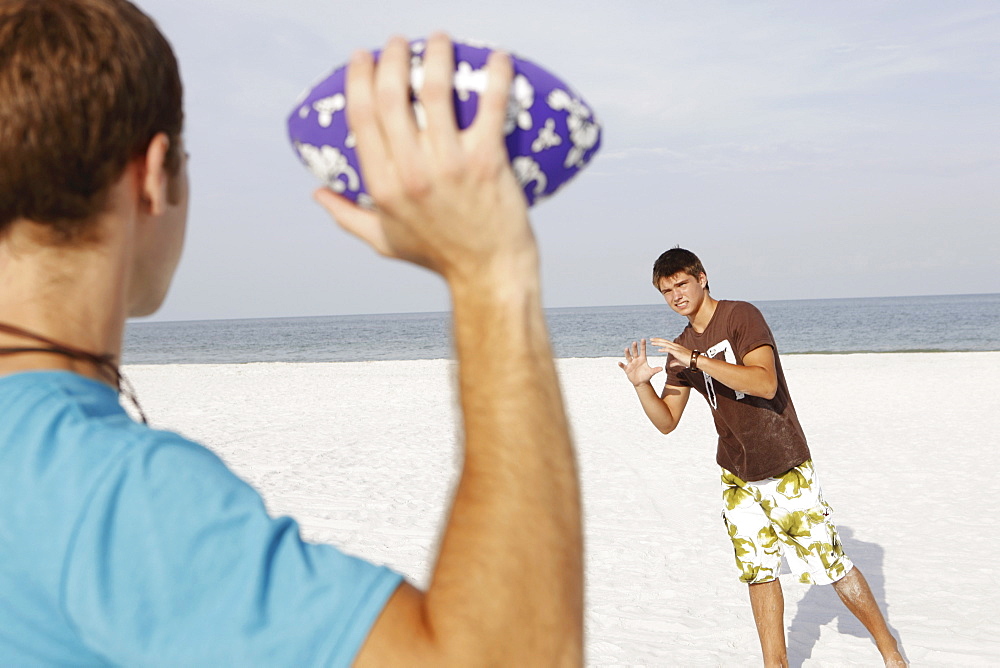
[793,482]
[734,493]
[742,546]
[796,526]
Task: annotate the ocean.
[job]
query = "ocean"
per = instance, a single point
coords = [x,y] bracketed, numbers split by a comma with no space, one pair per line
[823,326]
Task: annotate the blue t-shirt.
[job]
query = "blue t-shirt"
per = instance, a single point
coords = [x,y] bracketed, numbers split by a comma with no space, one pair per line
[120,544]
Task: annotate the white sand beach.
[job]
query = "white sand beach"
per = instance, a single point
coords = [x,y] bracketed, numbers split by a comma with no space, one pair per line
[364,455]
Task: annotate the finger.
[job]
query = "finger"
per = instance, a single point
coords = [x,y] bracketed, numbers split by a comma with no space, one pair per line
[362,223]
[436,94]
[644,347]
[395,112]
[361,118]
[492,109]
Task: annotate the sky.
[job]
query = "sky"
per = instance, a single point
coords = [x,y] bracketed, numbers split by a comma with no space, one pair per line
[803,150]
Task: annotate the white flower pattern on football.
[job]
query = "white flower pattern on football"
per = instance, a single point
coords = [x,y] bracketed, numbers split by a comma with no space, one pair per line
[551,133]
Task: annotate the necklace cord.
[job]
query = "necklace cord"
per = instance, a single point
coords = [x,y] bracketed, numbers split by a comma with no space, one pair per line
[104,362]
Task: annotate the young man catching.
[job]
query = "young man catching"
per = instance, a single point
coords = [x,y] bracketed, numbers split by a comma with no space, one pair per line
[125,545]
[773,504]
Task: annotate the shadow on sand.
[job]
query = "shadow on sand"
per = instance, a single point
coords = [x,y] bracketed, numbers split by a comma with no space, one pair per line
[821,605]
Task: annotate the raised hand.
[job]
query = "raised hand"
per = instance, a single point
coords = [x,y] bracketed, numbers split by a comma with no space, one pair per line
[635,366]
[446,199]
[679,356]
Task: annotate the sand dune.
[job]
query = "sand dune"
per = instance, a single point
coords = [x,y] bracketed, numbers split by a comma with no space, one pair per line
[364,454]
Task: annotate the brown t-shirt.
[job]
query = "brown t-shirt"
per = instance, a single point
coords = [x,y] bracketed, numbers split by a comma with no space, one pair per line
[758,438]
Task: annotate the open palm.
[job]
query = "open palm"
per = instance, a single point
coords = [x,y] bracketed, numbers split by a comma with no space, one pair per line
[636,366]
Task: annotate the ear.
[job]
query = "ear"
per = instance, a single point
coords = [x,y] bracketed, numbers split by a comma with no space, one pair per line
[703,279]
[155,179]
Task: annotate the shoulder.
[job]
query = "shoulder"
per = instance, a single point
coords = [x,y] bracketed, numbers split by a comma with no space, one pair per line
[738,314]
[158,480]
[77,426]
[748,327]
[144,519]
[740,308]
[170,521]
[70,446]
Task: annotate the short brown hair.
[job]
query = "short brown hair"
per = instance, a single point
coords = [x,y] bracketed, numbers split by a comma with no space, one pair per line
[674,261]
[84,87]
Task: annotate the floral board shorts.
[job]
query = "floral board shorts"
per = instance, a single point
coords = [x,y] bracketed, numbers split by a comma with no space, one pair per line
[783,516]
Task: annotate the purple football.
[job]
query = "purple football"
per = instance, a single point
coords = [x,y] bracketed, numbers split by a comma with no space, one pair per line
[551,133]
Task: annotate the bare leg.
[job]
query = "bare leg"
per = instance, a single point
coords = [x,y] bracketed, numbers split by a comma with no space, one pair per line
[854,591]
[768,605]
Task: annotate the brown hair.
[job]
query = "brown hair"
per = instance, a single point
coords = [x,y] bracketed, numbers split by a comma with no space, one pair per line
[84,87]
[674,261]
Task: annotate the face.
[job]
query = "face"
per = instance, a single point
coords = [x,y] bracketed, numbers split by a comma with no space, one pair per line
[161,252]
[684,292]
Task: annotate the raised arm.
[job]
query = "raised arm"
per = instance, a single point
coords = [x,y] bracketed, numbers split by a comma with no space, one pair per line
[507,588]
[663,411]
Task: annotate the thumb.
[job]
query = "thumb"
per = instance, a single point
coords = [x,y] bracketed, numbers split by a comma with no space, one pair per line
[349,216]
